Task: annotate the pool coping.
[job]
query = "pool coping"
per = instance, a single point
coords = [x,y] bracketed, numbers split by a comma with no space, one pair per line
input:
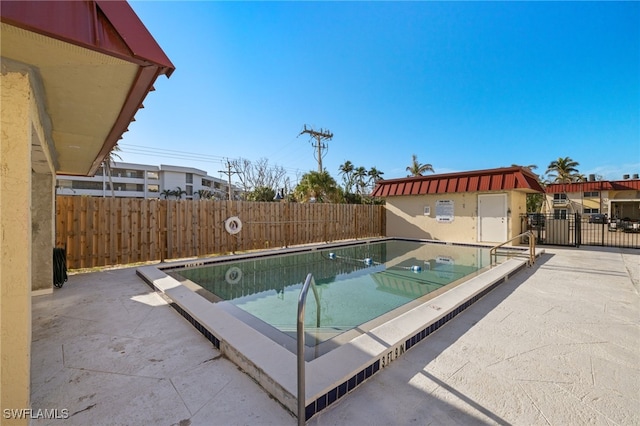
[338,372]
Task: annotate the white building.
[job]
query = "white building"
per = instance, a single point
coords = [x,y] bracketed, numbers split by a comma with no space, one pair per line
[147,181]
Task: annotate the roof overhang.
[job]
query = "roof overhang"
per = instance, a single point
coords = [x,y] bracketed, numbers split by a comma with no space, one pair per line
[96,62]
[501,179]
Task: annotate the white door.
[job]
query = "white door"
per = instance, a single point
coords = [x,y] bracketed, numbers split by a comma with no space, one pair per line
[492,218]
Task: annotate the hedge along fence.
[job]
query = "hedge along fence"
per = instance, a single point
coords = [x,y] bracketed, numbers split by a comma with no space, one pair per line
[110,231]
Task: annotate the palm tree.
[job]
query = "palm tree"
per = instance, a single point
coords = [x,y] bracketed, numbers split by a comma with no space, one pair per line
[562,170]
[108,161]
[375,174]
[417,169]
[318,186]
[204,194]
[262,193]
[346,170]
[179,192]
[359,174]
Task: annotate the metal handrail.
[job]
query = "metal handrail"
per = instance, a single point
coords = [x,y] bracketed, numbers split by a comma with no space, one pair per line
[532,248]
[302,299]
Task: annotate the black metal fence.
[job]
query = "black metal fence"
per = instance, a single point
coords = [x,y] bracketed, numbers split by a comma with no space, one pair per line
[598,231]
[575,230]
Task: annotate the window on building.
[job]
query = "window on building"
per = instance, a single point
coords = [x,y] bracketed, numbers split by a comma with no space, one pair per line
[588,194]
[189,177]
[153,188]
[591,211]
[559,198]
[128,187]
[206,183]
[189,190]
[81,184]
[152,175]
[127,173]
[559,213]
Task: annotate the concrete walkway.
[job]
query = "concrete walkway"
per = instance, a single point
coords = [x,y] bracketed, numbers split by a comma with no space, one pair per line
[557,344]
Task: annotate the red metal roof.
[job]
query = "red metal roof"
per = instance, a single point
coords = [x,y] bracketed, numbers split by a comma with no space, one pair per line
[502,179]
[601,185]
[105,26]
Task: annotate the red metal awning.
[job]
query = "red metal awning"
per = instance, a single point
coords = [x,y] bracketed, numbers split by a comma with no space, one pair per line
[501,179]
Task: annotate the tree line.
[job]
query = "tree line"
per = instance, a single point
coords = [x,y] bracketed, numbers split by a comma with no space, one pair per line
[261,182]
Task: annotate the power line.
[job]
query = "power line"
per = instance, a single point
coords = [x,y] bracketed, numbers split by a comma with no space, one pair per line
[168,153]
[287,151]
[178,153]
[127,148]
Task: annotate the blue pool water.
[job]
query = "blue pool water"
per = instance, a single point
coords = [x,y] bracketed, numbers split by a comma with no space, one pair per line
[355,284]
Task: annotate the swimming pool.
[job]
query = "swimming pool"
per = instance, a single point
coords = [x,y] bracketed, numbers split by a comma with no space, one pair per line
[355,286]
[339,361]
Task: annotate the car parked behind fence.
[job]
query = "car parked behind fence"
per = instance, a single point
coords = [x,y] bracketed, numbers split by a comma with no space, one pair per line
[598,218]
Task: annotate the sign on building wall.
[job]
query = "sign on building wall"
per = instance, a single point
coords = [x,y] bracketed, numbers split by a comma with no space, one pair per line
[444,211]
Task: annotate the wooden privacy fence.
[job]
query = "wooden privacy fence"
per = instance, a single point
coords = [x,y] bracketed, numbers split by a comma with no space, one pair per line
[110,231]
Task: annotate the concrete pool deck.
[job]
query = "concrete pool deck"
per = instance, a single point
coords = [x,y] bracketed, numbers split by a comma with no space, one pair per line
[558,343]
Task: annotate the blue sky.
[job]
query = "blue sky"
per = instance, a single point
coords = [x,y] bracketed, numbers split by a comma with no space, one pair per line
[464,85]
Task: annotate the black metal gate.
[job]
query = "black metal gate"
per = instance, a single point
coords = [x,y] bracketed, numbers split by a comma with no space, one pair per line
[559,230]
[575,230]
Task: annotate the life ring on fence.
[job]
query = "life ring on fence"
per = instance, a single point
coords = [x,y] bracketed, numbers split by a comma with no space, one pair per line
[233,275]
[233,225]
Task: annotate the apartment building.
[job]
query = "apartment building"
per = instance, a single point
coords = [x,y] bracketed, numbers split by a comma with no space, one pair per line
[147,181]
[616,199]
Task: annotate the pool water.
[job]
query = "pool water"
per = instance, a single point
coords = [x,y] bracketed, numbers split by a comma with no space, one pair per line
[355,285]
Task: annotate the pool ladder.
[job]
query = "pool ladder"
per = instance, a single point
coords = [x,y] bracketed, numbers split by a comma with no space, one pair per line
[493,253]
[302,299]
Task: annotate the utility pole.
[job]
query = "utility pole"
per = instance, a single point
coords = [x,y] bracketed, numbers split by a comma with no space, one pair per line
[228,172]
[319,136]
